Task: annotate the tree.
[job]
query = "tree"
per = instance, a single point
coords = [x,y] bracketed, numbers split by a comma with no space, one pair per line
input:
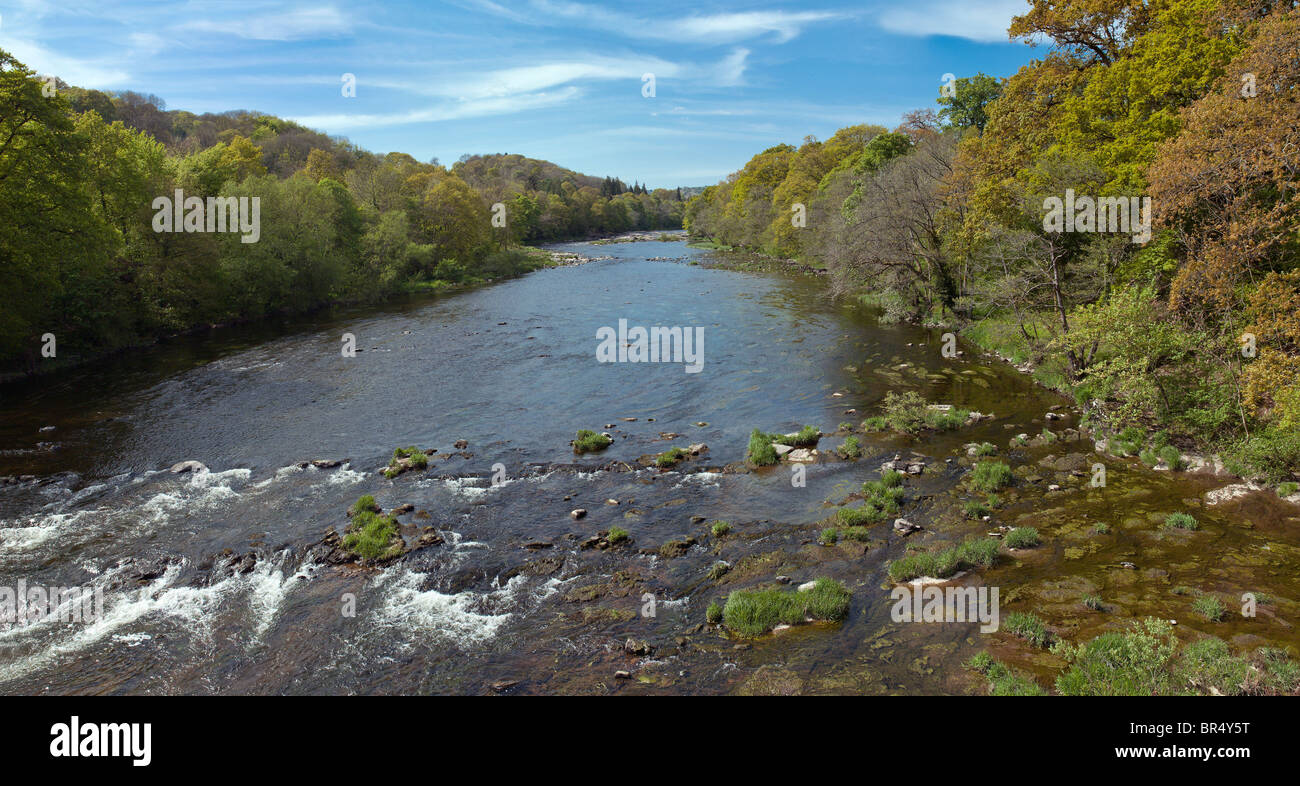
[965,108]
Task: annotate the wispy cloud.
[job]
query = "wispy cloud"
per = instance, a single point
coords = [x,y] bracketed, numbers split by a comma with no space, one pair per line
[75,71]
[298,24]
[985,21]
[722,28]
[458,110]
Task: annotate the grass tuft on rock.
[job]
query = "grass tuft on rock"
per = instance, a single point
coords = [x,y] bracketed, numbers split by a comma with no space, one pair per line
[755,612]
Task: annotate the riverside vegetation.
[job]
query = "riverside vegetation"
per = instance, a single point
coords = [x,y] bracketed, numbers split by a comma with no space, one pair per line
[1194,334]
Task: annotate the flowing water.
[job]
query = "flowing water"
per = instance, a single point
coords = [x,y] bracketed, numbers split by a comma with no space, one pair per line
[211,585]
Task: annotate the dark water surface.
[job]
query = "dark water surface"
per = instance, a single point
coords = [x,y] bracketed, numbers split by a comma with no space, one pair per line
[511,368]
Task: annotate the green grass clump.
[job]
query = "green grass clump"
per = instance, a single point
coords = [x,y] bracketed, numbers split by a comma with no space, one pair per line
[760,452]
[845,426]
[1093,602]
[976,553]
[1288,488]
[1028,627]
[852,517]
[670,457]
[882,495]
[404,459]
[990,475]
[1022,538]
[1149,457]
[1210,607]
[975,509]
[806,437]
[986,449]
[829,537]
[1170,455]
[1136,662]
[875,423]
[755,612]
[589,440]
[364,503]
[1101,528]
[721,528]
[891,478]
[909,413]
[713,615]
[1180,521]
[1003,681]
[859,534]
[850,448]
[371,536]
[616,535]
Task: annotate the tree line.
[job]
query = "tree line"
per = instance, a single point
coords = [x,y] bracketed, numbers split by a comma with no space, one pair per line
[80,258]
[1188,107]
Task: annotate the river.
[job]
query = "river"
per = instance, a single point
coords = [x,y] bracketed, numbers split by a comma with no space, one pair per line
[511,369]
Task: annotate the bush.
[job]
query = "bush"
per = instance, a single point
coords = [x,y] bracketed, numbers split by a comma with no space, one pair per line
[859,534]
[589,440]
[1180,521]
[1210,607]
[760,452]
[875,423]
[804,438]
[1022,538]
[991,475]
[867,514]
[1003,681]
[371,536]
[755,612]
[1171,457]
[980,552]
[908,413]
[670,457]
[714,613]
[1028,627]
[1136,662]
[829,537]
[850,449]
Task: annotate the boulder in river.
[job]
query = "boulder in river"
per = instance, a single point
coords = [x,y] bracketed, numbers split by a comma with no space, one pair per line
[188,466]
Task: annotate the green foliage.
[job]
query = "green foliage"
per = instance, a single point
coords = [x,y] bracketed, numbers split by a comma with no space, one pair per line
[850,449]
[990,476]
[1022,538]
[755,612]
[867,514]
[713,615]
[1180,521]
[760,452]
[1028,627]
[588,441]
[829,536]
[1093,602]
[1002,680]
[616,535]
[720,528]
[371,536]
[803,438]
[976,553]
[670,457]
[1137,662]
[986,449]
[1210,607]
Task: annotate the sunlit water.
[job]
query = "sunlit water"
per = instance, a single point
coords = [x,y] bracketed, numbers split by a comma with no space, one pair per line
[511,368]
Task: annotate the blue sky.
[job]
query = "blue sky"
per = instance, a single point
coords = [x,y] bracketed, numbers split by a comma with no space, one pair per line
[549,79]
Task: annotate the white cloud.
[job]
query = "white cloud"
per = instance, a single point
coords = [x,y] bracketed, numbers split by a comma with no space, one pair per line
[985,21]
[457,110]
[74,71]
[293,25]
[727,28]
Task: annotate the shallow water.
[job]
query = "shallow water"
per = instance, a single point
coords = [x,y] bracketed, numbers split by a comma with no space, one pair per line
[511,368]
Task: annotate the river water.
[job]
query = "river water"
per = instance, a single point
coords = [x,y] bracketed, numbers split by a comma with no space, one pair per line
[210,584]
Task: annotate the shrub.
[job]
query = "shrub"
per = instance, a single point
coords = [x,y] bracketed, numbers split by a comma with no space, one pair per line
[589,440]
[1003,681]
[1180,521]
[1022,538]
[991,475]
[1171,457]
[867,514]
[875,423]
[1133,663]
[1207,664]
[829,537]
[805,437]
[860,534]
[1210,607]
[850,449]
[760,452]
[891,478]
[1028,627]
[670,457]
[755,612]
[905,412]
[371,536]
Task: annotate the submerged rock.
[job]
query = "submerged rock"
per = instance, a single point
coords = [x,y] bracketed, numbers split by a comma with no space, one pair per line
[188,466]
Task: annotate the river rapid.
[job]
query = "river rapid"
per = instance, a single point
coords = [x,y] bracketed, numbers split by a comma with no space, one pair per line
[211,583]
